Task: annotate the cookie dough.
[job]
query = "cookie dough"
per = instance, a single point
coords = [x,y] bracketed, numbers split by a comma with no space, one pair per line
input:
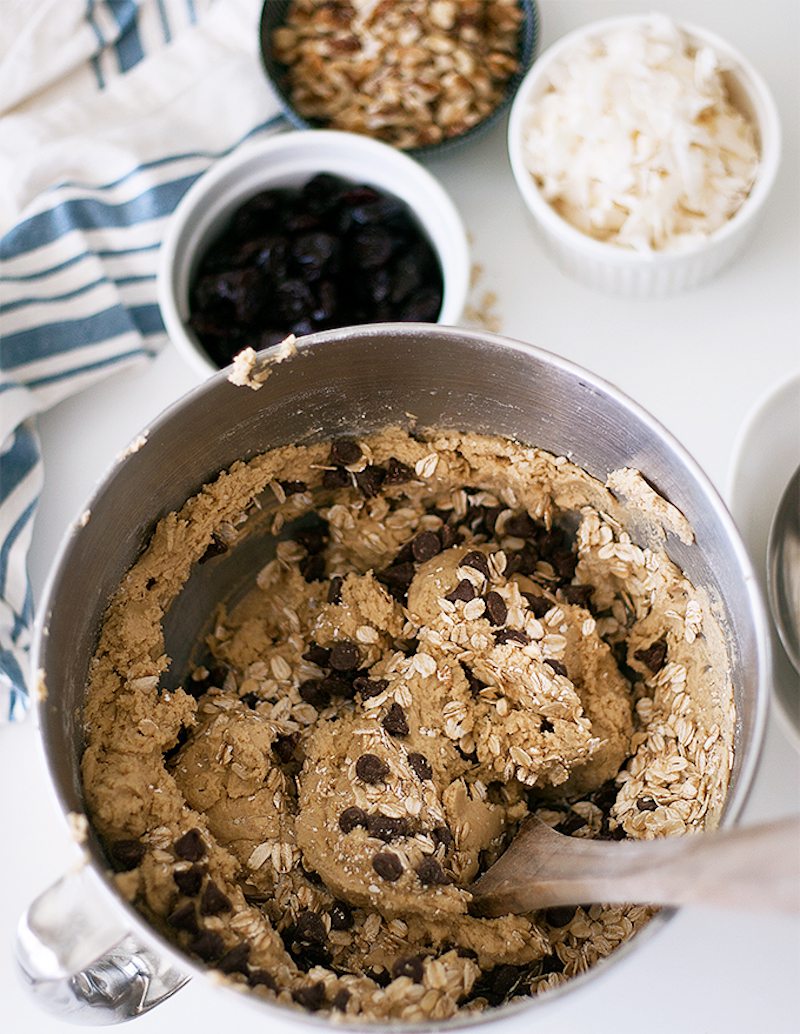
[447,633]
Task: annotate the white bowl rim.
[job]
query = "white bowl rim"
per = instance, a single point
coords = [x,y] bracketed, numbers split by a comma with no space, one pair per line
[768,126]
[313,143]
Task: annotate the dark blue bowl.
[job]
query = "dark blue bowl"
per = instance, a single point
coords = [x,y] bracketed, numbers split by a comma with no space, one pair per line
[273,14]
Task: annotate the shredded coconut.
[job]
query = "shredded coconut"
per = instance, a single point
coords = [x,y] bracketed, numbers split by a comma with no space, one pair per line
[636,141]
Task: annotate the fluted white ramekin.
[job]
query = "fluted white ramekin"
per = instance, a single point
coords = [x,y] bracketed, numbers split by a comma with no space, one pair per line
[290,159]
[619,270]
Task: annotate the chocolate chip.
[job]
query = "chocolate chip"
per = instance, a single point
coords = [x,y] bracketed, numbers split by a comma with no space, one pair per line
[261,978]
[448,536]
[395,722]
[551,964]
[313,568]
[605,796]
[546,726]
[538,604]
[341,916]
[371,769]
[579,595]
[475,684]
[477,560]
[654,656]
[523,561]
[397,473]
[398,576]
[496,608]
[126,854]
[442,835]
[387,865]
[208,945]
[314,692]
[336,478]
[312,876]
[184,917]
[189,881]
[557,667]
[381,976]
[431,873]
[311,997]
[214,900]
[570,824]
[510,635]
[521,526]
[464,591]
[313,534]
[620,652]
[425,546]
[216,547]
[338,686]
[293,487]
[560,916]
[411,966]
[490,515]
[421,765]
[352,817]
[369,480]
[367,688]
[344,451]
[505,981]
[386,828]
[340,999]
[646,804]
[190,846]
[335,589]
[404,555]
[284,748]
[320,655]
[564,563]
[345,656]
[474,519]
[310,928]
[407,646]
[235,960]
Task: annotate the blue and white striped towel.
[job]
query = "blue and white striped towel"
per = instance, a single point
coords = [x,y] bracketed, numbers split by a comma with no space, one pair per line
[109,111]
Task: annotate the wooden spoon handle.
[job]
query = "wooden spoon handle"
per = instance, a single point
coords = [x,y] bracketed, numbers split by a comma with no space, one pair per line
[756,867]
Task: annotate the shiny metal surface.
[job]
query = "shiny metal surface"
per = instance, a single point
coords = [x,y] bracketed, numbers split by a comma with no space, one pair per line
[78,961]
[353,381]
[783,569]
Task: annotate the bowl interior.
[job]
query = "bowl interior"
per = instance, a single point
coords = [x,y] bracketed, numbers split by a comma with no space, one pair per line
[273,15]
[351,382]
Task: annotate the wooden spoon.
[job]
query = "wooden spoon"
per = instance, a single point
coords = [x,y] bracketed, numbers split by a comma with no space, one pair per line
[753,867]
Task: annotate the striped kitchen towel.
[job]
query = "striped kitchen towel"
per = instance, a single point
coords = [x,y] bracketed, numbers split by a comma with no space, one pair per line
[109,111]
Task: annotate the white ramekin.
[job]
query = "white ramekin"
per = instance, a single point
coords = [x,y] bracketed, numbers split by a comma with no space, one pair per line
[622,271]
[291,159]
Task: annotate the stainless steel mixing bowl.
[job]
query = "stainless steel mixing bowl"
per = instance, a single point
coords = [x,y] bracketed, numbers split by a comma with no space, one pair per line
[83,950]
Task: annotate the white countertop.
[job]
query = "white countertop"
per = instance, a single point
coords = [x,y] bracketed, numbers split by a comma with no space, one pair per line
[699,362]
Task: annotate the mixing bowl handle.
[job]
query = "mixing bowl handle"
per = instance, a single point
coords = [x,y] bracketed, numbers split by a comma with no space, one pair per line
[79,961]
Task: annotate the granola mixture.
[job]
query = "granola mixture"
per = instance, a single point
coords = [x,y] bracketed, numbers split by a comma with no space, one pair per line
[411,74]
[452,631]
